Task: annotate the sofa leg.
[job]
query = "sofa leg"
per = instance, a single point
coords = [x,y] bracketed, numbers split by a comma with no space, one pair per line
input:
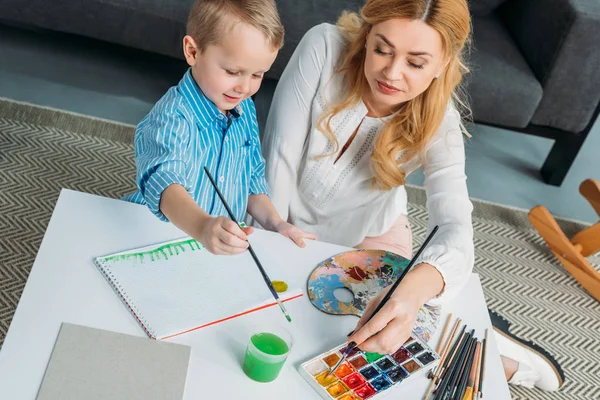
[561,157]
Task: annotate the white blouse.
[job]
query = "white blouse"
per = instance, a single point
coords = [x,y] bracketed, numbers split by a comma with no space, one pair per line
[336,201]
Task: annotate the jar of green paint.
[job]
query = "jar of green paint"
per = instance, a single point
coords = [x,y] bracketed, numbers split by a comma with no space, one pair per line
[266,353]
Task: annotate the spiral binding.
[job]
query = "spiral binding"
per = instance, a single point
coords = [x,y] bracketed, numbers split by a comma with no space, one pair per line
[123,295]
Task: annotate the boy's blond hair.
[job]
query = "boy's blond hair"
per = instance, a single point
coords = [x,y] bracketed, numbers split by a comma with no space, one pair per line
[208,20]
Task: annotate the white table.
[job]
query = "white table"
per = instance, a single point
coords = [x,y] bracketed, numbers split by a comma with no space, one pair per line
[65,286]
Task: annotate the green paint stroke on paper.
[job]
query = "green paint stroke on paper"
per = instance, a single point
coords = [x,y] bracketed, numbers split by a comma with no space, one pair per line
[160,253]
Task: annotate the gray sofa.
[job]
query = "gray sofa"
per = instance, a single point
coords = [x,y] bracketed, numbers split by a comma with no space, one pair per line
[535,63]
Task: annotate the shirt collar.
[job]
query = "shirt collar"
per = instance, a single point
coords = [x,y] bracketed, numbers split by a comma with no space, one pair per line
[204,109]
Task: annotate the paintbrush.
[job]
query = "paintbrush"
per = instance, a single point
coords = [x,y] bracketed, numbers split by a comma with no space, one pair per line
[482,368]
[443,337]
[352,345]
[478,366]
[471,382]
[250,249]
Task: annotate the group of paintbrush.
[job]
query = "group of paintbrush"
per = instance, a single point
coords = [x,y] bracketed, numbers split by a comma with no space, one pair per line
[460,373]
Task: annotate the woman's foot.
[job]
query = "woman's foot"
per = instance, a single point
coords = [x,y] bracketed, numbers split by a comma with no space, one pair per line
[525,363]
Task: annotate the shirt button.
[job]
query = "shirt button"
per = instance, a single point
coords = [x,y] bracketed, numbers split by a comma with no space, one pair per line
[222,179]
[226,140]
[220,116]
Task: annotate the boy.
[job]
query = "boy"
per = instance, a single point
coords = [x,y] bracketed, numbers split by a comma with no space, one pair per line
[209,120]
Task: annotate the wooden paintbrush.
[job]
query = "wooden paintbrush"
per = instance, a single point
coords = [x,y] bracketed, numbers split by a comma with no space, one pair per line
[352,345]
[443,337]
[250,249]
[482,367]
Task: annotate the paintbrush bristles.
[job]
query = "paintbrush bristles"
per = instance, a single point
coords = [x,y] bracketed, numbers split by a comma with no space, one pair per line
[351,346]
[284,311]
[483,355]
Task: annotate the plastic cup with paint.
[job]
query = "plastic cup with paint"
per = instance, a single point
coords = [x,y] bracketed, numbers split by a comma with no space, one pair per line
[266,353]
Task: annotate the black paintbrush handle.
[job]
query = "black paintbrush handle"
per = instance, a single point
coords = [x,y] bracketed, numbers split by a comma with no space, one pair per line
[403,274]
[212,181]
[252,253]
[482,366]
[263,272]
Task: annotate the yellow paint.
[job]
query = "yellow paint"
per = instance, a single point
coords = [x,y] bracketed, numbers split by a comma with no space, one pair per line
[325,378]
[280,286]
[337,389]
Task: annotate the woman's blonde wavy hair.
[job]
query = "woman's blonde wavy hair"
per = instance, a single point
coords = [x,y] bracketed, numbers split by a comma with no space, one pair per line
[413,126]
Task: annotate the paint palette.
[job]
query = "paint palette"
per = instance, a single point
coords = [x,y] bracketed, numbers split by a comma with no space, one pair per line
[365,273]
[367,375]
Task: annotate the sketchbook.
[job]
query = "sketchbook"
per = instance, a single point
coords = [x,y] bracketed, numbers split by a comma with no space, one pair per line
[177,287]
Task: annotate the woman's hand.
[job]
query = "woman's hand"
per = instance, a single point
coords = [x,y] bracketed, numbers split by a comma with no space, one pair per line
[296,234]
[390,327]
[393,324]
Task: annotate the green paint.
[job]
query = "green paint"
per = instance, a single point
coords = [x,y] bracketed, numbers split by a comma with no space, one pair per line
[160,253]
[265,356]
[371,357]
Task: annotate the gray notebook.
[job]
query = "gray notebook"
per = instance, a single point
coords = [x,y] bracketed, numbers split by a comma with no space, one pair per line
[94,364]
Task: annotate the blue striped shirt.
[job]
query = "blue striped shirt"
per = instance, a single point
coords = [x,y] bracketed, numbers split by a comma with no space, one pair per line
[184,132]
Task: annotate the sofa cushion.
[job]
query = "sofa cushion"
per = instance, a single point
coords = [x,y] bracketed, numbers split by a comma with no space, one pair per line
[480,8]
[153,25]
[298,16]
[502,88]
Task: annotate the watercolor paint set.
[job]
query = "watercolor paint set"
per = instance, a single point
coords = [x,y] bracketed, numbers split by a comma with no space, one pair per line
[367,375]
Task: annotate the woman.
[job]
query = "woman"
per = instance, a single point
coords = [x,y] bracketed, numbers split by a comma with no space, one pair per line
[359,106]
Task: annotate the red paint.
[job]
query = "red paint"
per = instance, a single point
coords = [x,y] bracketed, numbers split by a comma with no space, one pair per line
[354,380]
[228,318]
[365,391]
[357,273]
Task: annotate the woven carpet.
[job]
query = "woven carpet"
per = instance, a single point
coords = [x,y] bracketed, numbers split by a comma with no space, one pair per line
[44,150]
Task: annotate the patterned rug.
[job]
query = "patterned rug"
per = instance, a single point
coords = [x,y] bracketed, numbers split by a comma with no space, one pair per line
[44,150]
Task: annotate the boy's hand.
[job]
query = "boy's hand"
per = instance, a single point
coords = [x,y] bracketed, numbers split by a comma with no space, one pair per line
[220,235]
[294,233]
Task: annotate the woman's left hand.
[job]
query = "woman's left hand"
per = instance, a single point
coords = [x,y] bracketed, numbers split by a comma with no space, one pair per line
[296,234]
[390,328]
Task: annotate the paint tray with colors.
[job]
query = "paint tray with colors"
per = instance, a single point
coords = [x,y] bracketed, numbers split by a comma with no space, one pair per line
[367,375]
